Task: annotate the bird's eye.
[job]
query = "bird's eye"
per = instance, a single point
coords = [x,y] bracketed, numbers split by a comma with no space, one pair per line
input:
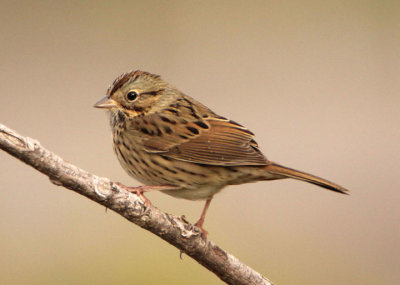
[132,95]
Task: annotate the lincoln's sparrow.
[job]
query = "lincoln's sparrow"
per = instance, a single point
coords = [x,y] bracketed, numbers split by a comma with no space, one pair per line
[165,138]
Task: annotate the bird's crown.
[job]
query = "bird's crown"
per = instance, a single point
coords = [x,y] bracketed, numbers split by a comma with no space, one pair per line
[131,77]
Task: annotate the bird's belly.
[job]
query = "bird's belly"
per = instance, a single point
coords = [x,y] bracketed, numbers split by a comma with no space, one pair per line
[200,193]
[192,181]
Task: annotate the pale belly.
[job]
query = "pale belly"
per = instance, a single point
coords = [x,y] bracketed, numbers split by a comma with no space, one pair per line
[200,193]
[189,180]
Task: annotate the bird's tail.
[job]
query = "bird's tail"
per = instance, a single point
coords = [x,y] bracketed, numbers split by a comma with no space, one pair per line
[284,171]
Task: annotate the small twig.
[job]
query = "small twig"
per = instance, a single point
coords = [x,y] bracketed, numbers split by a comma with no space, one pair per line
[175,230]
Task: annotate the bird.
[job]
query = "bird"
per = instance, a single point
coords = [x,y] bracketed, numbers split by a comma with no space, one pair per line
[172,143]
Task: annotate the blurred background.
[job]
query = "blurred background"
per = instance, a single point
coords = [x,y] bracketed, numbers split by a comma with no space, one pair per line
[317,81]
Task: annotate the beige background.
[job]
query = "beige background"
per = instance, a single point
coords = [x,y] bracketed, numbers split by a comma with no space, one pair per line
[317,81]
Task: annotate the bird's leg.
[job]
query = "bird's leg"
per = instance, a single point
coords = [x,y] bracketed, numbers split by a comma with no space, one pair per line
[200,222]
[139,190]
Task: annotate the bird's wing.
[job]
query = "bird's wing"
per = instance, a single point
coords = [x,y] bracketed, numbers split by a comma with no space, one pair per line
[212,141]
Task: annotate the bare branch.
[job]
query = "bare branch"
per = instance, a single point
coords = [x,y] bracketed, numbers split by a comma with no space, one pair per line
[175,230]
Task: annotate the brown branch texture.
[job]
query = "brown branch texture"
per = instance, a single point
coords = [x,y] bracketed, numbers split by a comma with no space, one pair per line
[175,230]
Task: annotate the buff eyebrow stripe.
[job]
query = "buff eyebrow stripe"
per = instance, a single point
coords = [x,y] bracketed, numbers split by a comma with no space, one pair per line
[153,92]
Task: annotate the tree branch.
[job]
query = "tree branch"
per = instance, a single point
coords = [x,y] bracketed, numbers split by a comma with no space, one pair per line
[175,230]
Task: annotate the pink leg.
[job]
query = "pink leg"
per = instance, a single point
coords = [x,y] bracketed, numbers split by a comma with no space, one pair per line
[139,190]
[200,222]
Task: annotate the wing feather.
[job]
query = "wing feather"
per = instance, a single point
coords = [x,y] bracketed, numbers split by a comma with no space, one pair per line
[223,142]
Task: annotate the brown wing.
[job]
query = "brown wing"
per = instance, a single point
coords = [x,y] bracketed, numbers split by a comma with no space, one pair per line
[213,141]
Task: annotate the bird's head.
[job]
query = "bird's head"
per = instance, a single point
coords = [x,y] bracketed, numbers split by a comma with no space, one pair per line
[137,93]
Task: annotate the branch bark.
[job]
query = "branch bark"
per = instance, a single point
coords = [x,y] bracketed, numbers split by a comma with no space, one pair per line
[175,230]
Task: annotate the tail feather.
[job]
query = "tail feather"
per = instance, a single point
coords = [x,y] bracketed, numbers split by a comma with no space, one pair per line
[275,168]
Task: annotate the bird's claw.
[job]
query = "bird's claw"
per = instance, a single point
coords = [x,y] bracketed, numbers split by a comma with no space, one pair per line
[137,191]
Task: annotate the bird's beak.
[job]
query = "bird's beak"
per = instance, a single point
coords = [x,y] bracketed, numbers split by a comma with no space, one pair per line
[106,103]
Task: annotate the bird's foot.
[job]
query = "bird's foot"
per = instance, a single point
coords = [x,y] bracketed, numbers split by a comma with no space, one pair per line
[139,190]
[199,225]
